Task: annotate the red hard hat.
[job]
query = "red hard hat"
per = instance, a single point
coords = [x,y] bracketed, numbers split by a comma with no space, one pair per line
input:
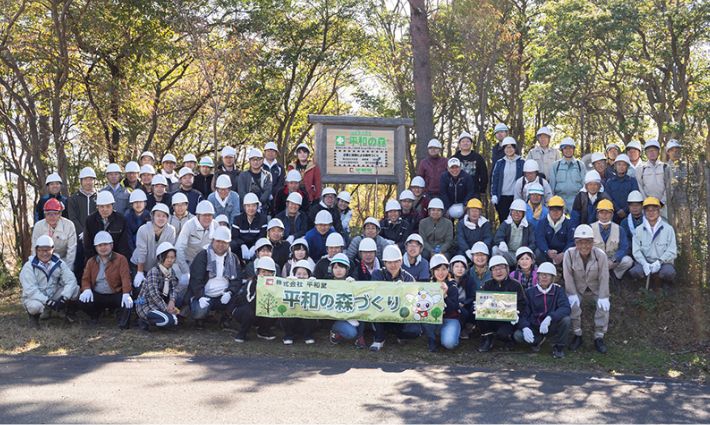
[53,204]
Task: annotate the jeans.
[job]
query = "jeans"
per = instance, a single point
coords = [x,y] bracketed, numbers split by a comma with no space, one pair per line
[348,331]
[450,332]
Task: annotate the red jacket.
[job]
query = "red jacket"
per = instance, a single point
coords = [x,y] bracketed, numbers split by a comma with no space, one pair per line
[310,180]
[431,169]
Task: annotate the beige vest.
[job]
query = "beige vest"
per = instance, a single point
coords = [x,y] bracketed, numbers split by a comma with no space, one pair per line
[612,243]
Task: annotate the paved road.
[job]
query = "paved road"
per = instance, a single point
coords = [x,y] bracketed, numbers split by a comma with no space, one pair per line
[218,390]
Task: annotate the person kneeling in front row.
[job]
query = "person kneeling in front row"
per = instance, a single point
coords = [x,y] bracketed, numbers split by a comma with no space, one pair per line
[155,304]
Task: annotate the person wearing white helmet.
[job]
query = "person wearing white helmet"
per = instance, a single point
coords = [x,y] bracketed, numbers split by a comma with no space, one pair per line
[654,176]
[227,166]
[547,314]
[131,180]
[292,185]
[612,151]
[215,279]
[156,304]
[248,227]
[298,252]
[149,237]
[203,179]
[500,132]
[473,227]
[277,170]
[106,219]
[586,270]
[506,171]
[113,185]
[450,329]
[60,229]
[53,185]
[345,330]
[160,194]
[501,281]
[542,153]
[334,244]
[479,273]
[525,270]
[633,150]
[409,213]
[567,175]
[421,198]
[393,227]
[169,162]
[294,219]
[137,215]
[366,261]
[189,160]
[436,230]
[635,217]
[246,304]
[262,248]
[194,235]
[393,272]
[180,214]
[344,211]
[600,165]
[537,211]
[47,281]
[318,234]
[619,185]
[280,248]
[225,200]
[147,158]
[413,261]
[80,206]
[472,163]
[531,174]
[555,234]
[194,196]
[514,232]
[146,178]
[370,229]
[327,203]
[256,180]
[106,282]
[456,188]
[292,326]
[584,207]
[311,182]
[432,167]
[612,239]
[460,274]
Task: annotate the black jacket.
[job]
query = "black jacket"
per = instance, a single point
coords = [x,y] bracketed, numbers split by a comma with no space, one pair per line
[199,277]
[203,184]
[245,233]
[396,232]
[317,207]
[116,226]
[508,285]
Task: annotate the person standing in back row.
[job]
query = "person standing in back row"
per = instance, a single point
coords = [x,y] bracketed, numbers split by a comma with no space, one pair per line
[543,154]
[473,164]
[432,167]
[567,175]
[311,182]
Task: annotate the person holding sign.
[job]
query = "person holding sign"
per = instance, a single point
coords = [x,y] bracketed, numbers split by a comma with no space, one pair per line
[499,328]
[243,308]
[586,268]
[413,262]
[547,313]
[345,330]
[450,330]
[301,270]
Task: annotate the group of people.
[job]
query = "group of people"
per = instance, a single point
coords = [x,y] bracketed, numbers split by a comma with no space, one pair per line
[192,241]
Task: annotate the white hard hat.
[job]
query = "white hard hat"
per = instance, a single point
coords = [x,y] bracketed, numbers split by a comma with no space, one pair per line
[436,203]
[223,182]
[437,260]
[159,179]
[480,247]
[133,167]
[414,237]
[635,196]
[299,241]
[265,263]
[334,239]
[611,146]
[113,168]
[417,181]
[105,198]
[254,153]
[251,198]
[148,154]
[53,178]
[458,259]
[344,196]
[179,198]
[392,205]
[44,240]
[168,157]
[407,194]
[302,264]
[651,143]
[508,141]
[262,242]
[87,172]
[295,197]
[598,156]
[568,141]
[592,177]
[500,127]
[206,161]
[222,234]
[371,220]
[367,244]
[622,157]
[433,143]
[583,231]
[535,188]
[391,253]
[293,176]
[275,222]
[544,130]
[673,143]
[102,237]
[147,169]
[204,207]
[465,135]
[324,217]
[221,219]
[184,171]
[160,207]
[328,191]
[524,250]
[634,144]
[228,151]
[453,162]
[272,146]
[547,268]
[530,166]
[190,157]
[136,196]
[303,146]
[163,248]
[519,205]
[497,260]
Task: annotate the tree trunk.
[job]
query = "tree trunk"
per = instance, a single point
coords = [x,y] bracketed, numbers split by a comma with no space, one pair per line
[424,103]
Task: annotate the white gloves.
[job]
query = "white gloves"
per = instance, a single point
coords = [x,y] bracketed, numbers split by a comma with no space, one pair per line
[353,322]
[350,279]
[646,269]
[655,266]
[226,297]
[528,335]
[81,236]
[503,246]
[204,302]
[545,325]
[573,300]
[494,199]
[252,252]
[245,252]
[138,280]
[312,278]
[603,304]
[517,318]
[289,239]
[184,279]
[86,296]
[126,301]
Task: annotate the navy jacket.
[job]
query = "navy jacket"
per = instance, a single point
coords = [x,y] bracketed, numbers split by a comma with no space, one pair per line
[134,222]
[456,190]
[497,178]
[539,306]
[385,276]
[618,188]
[298,226]
[396,232]
[420,270]
[193,198]
[585,212]
[503,234]
[466,236]
[39,209]
[546,238]
[508,285]
[316,242]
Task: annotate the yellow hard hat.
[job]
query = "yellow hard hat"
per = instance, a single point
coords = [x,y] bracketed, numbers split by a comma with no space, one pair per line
[475,203]
[556,201]
[605,204]
[652,201]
